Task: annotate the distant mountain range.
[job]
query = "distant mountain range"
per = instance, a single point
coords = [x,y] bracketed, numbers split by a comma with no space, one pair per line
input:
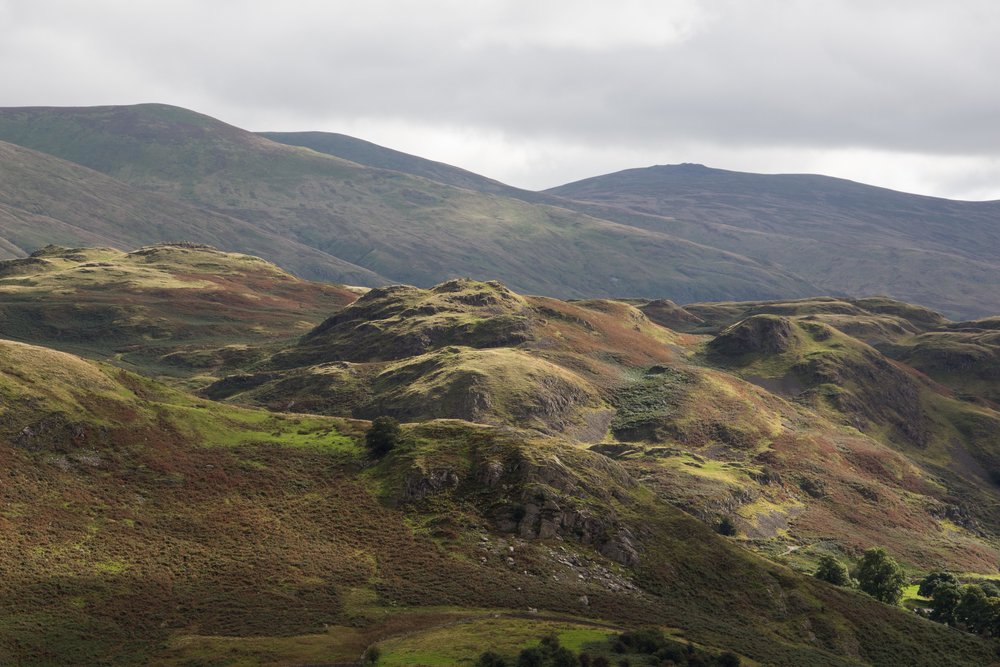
[332,207]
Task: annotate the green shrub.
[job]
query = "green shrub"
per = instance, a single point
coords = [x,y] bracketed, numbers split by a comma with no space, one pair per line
[382,437]
[491,659]
[530,657]
[832,571]
[932,580]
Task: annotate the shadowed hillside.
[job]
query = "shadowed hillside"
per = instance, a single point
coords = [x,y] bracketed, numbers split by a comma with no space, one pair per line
[45,200]
[844,237]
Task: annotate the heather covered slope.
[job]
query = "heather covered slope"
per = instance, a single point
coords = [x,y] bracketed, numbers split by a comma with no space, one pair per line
[406,228]
[842,236]
[146,526]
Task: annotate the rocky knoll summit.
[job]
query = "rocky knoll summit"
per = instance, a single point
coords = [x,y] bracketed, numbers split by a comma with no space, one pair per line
[401,321]
[759,334]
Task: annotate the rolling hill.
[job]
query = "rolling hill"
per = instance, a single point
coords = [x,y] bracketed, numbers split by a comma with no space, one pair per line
[402,227]
[171,310]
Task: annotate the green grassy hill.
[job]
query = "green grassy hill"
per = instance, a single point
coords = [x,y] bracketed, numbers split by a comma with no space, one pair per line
[406,228]
[145,526]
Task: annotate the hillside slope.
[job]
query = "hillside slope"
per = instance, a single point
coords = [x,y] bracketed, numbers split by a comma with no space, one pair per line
[843,236]
[804,437]
[142,525]
[406,228]
[45,200]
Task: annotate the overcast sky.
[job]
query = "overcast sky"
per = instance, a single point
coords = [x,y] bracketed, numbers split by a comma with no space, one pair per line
[536,93]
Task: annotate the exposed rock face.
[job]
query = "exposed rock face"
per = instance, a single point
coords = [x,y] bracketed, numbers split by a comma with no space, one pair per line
[418,485]
[538,498]
[759,334]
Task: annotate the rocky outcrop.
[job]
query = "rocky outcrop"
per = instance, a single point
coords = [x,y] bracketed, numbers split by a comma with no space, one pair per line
[759,334]
[538,498]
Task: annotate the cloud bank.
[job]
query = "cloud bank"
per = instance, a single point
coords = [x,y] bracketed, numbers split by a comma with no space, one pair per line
[895,93]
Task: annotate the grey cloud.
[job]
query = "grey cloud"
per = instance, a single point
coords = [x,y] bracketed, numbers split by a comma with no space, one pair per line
[904,77]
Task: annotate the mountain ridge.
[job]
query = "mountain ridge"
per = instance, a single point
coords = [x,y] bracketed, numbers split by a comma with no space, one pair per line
[403,227]
[719,219]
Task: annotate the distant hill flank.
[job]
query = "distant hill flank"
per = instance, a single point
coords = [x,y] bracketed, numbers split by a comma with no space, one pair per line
[400,227]
[843,236]
[45,200]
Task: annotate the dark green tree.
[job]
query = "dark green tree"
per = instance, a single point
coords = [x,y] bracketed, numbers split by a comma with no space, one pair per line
[931,581]
[728,659]
[726,527]
[563,657]
[832,571]
[944,602]
[491,659]
[382,437]
[990,588]
[530,657]
[880,576]
[372,654]
[974,610]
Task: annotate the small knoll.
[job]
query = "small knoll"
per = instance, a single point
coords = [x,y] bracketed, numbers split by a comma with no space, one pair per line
[667,313]
[498,386]
[401,321]
[812,361]
[167,299]
[874,320]
[759,334]
[964,356]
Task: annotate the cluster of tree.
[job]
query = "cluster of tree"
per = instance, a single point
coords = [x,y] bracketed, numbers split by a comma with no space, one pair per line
[876,573]
[971,607]
[650,646]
